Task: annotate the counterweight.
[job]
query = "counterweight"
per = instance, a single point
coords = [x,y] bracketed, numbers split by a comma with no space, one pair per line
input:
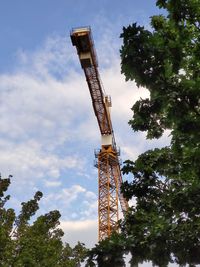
[109,174]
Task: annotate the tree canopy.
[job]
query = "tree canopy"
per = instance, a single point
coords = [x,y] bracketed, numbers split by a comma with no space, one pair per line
[164,226]
[33,244]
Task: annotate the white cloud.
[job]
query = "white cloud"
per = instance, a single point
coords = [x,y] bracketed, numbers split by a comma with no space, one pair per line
[123,94]
[90,195]
[42,114]
[83,231]
[41,109]
[53,57]
[76,200]
[52,183]
[90,209]
[66,195]
[28,159]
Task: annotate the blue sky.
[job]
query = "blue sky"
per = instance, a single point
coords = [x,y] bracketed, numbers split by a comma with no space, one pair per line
[48,130]
[25,24]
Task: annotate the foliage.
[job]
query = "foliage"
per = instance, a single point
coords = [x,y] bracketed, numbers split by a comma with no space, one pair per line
[37,244]
[109,252]
[164,226]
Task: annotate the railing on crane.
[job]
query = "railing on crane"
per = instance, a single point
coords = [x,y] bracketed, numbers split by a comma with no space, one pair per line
[82,39]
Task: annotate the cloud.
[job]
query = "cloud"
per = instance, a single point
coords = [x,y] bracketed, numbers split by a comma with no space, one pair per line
[52,183]
[28,159]
[83,231]
[42,109]
[52,58]
[76,200]
[39,117]
[66,195]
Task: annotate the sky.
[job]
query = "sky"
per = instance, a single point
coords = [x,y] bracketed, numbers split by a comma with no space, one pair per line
[48,130]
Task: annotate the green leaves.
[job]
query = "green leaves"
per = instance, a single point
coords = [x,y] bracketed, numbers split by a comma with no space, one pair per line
[36,244]
[109,252]
[165,61]
[164,225]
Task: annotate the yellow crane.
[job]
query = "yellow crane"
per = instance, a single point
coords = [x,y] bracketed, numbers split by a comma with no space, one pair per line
[109,174]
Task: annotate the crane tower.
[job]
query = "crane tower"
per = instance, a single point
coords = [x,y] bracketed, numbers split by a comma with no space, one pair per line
[109,174]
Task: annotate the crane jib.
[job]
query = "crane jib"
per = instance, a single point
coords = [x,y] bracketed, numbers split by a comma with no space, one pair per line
[98,100]
[81,38]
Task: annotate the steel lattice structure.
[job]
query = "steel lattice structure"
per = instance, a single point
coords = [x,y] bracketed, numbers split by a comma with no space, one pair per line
[108,192]
[109,174]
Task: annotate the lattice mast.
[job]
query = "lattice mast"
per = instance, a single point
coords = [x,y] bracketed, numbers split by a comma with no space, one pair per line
[109,174]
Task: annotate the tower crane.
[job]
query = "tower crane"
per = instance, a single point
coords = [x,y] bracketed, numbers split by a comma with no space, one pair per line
[107,158]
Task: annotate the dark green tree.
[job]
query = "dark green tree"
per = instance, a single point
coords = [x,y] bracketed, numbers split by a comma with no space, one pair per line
[164,226]
[108,252]
[33,244]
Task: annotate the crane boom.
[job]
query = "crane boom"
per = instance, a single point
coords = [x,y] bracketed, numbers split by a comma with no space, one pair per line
[82,39]
[109,173]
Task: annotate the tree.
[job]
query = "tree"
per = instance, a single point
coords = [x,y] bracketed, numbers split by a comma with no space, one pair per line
[37,244]
[108,252]
[164,226]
